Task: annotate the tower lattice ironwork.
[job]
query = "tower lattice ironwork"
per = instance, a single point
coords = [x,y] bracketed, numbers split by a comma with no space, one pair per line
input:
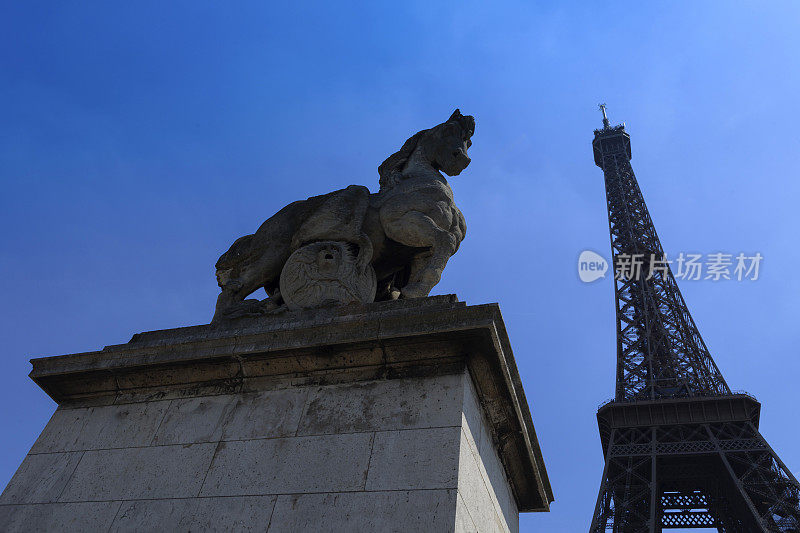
[681,450]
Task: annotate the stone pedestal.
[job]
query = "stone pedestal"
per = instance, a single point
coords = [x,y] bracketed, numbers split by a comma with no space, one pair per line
[394,416]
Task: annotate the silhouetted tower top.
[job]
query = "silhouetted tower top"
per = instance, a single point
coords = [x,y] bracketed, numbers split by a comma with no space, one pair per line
[610,140]
[659,350]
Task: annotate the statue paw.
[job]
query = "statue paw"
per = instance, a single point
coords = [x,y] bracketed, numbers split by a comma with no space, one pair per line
[250,308]
[414,290]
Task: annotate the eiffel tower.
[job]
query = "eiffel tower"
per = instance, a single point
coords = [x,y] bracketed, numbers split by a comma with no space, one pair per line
[681,450]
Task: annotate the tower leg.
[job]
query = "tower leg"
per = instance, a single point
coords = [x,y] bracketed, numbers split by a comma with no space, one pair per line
[602,509]
[771,491]
[626,491]
[655,523]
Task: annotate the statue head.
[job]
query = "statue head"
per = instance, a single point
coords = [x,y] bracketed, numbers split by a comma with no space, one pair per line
[444,147]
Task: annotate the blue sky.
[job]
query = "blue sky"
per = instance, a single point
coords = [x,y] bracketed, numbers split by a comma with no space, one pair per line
[139,139]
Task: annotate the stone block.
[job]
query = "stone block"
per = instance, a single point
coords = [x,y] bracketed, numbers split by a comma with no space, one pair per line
[415,459]
[479,437]
[62,431]
[472,412]
[134,473]
[383,405]
[122,426]
[94,428]
[497,482]
[464,522]
[271,413]
[41,478]
[476,494]
[326,463]
[192,420]
[61,517]
[396,511]
[246,513]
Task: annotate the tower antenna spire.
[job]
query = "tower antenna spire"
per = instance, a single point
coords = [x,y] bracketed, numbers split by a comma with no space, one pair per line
[606,123]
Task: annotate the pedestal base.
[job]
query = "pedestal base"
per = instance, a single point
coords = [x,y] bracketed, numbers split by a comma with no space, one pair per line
[400,416]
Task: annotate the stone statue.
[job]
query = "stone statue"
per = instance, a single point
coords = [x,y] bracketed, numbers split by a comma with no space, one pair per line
[352,246]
